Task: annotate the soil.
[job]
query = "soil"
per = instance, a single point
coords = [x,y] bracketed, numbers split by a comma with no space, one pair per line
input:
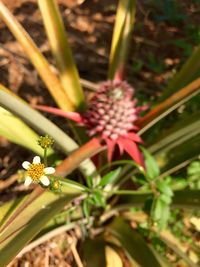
[160,44]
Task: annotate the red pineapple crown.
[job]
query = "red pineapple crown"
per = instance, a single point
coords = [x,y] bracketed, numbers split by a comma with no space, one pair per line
[111,115]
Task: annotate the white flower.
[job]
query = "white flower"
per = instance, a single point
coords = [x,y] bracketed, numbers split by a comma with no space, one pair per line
[36,172]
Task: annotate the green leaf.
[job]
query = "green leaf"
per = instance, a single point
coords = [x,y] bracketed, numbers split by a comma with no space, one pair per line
[178,144]
[179,184]
[99,199]
[119,162]
[94,252]
[167,106]
[189,72]
[193,171]
[178,157]
[89,181]
[111,177]
[16,234]
[158,205]
[194,168]
[91,201]
[133,243]
[42,125]
[86,208]
[164,188]
[182,199]
[7,208]
[162,224]
[163,261]
[160,211]
[62,53]
[166,199]
[44,69]
[187,199]
[179,133]
[124,22]
[16,131]
[152,169]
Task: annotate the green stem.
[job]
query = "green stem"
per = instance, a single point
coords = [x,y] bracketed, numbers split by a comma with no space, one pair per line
[45,157]
[128,192]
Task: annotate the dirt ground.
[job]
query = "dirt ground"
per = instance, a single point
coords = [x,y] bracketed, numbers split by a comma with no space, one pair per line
[154,56]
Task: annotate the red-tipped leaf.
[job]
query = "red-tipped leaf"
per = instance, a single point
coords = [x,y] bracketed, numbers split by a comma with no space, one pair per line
[132,149]
[110,148]
[120,145]
[135,137]
[74,116]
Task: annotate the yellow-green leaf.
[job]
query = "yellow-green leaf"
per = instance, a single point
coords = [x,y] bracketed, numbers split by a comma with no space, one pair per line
[38,60]
[124,22]
[62,53]
[133,243]
[16,131]
[188,73]
[94,252]
[21,230]
[112,258]
[32,117]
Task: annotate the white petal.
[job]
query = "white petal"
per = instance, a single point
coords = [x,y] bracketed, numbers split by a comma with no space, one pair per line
[26,165]
[44,180]
[36,160]
[49,170]
[28,181]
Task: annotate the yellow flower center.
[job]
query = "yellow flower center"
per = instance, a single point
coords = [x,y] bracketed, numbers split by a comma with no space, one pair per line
[35,171]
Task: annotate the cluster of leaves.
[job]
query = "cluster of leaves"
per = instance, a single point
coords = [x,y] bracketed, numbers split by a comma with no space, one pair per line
[96,195]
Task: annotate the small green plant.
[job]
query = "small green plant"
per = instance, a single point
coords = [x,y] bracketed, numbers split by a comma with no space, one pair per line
[123,201]
[169,11]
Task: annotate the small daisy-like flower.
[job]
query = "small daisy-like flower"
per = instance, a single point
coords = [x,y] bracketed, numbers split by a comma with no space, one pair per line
[36,172]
